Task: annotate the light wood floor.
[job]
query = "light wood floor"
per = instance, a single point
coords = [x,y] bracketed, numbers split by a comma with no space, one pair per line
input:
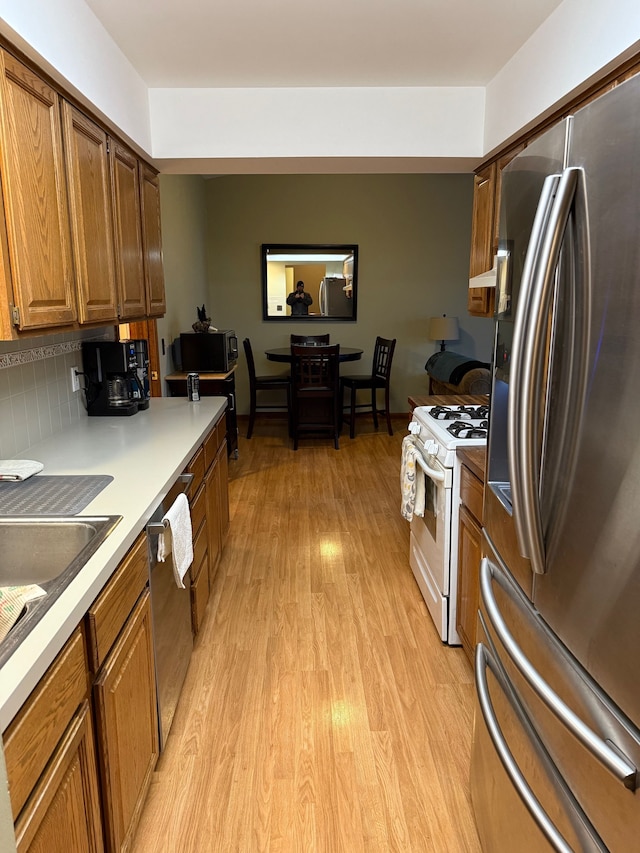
[321,711]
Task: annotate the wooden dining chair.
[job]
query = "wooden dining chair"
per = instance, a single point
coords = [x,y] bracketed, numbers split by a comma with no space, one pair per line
[274,382]
[315,377]
[378,379]
[317,340]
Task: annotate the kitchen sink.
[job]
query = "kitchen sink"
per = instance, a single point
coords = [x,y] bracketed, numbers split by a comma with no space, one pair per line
[48,551]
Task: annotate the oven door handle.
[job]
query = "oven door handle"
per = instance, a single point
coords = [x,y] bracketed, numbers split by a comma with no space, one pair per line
[432,473]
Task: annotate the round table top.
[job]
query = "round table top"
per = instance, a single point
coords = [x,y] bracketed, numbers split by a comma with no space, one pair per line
[284,354]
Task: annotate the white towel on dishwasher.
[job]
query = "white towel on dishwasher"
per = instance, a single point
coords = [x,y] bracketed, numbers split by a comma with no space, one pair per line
[177,538]
[412,483]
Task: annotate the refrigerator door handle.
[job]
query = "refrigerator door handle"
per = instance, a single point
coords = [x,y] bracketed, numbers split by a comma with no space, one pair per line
[530,342]
[610,757]
[484,660]
[519,367]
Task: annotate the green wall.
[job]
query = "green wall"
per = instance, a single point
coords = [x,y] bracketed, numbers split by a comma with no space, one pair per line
[413,233]
[184,217]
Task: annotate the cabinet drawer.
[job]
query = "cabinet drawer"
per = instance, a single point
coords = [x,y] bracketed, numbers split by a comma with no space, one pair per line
[199,547]
[212,442]
[196,467]
[471,492]
[111,609]
[198,509]
[35,732]
[199,592]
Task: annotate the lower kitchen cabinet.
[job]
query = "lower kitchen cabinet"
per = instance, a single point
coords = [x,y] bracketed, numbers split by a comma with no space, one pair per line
[469,554]
[63,812]
[51,763]
[209,503]
[124,695]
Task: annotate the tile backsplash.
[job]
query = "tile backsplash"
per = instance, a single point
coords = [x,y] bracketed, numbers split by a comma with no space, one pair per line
[36,399]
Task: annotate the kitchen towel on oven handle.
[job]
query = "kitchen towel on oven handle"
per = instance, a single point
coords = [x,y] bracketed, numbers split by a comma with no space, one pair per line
[412,483]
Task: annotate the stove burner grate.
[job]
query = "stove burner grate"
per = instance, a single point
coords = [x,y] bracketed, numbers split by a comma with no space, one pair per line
[463,429]
[444,413]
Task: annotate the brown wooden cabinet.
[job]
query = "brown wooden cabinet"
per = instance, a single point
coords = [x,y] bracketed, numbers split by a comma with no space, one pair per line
[152,241]
[217,488]
[87,159]
[121,653]
[469,553]
[38,289]
[80,236]
[127,213]
[209,503]
[485,226]
[51,764]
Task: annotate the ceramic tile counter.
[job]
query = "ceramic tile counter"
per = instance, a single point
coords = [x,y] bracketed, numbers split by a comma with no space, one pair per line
[144,454]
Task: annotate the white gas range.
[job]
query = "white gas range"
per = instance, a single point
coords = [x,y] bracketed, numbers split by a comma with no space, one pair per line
[437,432]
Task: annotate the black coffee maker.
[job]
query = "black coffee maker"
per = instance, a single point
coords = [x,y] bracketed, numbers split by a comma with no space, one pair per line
[115,373]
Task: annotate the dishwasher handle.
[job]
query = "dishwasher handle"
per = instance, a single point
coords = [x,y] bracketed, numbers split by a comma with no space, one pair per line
[155,528]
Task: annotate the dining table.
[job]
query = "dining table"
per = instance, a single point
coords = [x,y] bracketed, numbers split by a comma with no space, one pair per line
[283,354]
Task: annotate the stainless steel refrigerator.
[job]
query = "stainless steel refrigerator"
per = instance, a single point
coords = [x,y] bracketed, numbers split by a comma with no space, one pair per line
[334,301]
[557,725]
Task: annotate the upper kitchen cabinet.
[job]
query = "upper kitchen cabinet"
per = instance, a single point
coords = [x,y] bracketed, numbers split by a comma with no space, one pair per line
[484,230]
[127,217]
[37,289]
[480,299]
[152,241]
[86,151]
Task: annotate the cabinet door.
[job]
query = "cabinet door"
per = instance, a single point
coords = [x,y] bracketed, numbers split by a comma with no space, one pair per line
[482,221]
[480,299]
[125,189]
[212,487]
[87,158]
[35,199]
[223,491]
[152,242]
[63,813]
[127,726]
[469,552]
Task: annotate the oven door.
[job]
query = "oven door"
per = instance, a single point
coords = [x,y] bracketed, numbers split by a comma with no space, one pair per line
[432,532]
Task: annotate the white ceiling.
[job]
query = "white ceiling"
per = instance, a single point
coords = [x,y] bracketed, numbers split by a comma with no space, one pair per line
[307,43]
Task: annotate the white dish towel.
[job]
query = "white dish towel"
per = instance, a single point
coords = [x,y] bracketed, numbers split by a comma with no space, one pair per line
[177,538]
[412,483]
[16,470]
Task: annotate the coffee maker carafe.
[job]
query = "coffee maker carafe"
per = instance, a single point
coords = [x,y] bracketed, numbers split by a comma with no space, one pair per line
[112,382]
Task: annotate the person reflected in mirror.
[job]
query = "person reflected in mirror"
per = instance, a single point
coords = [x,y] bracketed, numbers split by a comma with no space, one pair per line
[299,301]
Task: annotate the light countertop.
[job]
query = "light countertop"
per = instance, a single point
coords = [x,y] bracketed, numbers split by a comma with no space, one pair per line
[144,454]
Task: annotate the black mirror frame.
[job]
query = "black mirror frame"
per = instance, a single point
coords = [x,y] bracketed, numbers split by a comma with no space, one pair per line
[266,248]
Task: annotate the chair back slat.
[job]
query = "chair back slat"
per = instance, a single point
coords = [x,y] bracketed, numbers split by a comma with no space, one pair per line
[310,340]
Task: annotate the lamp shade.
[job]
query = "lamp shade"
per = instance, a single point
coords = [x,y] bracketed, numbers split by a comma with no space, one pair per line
[443,328]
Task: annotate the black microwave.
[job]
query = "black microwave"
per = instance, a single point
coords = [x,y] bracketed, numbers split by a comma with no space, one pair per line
[208,352]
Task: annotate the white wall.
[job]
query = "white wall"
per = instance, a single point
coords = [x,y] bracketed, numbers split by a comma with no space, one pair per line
[67,39]
[236,123]
[577,40]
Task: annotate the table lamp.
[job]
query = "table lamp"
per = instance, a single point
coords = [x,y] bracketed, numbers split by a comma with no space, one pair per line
[443,329]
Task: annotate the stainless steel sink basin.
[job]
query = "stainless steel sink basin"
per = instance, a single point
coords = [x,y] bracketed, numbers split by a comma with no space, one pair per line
[36,550]
[48,551]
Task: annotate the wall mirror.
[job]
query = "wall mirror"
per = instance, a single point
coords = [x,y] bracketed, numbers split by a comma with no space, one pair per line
[329,274]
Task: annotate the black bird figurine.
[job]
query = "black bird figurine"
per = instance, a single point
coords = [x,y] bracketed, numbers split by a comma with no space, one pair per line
[203,322]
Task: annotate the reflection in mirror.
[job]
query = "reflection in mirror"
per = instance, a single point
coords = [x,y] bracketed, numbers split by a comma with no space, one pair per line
[328,274]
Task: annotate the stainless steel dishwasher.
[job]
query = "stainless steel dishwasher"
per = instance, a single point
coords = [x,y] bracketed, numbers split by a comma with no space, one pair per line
[171,612]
